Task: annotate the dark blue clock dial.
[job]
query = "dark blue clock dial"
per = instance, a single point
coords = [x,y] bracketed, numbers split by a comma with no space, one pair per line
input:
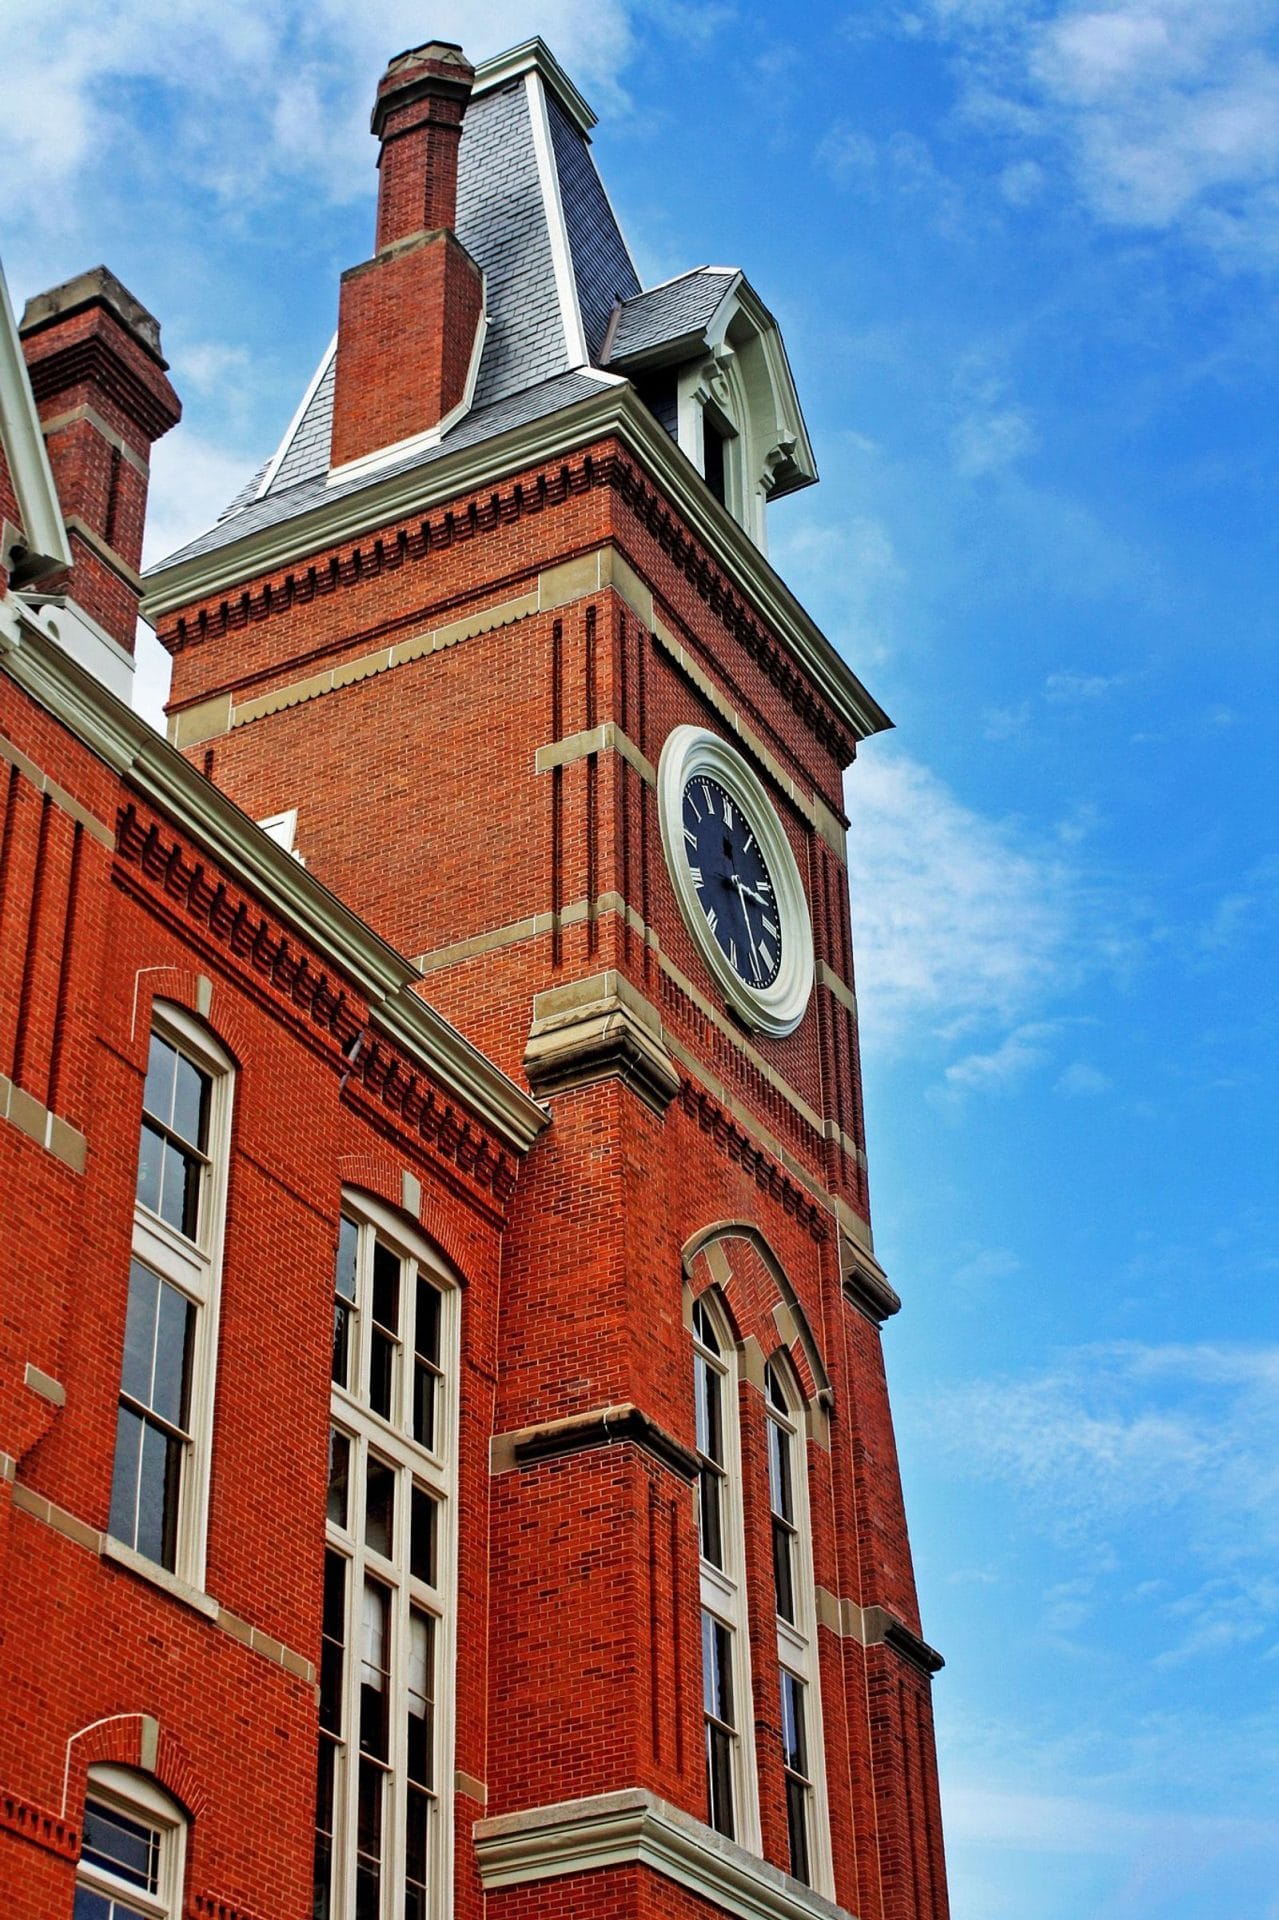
[733,883]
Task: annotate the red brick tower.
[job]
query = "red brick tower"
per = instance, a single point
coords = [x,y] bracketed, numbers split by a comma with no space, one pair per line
[494,637]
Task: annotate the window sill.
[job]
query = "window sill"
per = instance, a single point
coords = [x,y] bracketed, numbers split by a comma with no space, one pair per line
[158,1576]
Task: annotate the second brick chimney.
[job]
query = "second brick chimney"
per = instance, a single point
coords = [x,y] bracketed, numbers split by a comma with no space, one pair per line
[99,380]
[408,318]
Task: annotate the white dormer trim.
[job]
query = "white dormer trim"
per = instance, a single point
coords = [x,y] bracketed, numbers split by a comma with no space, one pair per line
[42,534]
[557,229]
[291,431]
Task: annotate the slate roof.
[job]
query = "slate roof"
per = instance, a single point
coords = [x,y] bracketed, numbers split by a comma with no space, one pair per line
[482,423]
[508,219]
[650,320]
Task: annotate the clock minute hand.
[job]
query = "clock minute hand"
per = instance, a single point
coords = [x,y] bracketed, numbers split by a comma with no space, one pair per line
[750,892]
[742,892]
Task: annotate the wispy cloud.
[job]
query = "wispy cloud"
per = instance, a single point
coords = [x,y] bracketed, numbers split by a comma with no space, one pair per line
[960,918]
[1164,112]
[293,81]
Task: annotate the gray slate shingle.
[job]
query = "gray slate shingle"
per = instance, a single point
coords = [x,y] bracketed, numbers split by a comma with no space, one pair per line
[669,312]
[602,266]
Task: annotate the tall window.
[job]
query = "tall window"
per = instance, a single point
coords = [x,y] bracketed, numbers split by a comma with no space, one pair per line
[794,1602]
[160,1478]
[131,1850]
[382,1817]
[732,1805]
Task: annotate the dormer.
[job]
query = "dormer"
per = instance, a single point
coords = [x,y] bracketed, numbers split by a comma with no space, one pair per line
[706,356]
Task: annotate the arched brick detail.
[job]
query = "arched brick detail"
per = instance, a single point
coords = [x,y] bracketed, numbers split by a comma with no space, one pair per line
[132,1740]
[381,1175]
[197,995]
[735,1256]
[176,1774]
[377,1173]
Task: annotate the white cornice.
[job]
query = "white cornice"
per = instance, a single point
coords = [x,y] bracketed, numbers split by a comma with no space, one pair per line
[635,1828]
[614,410]
[534,56]
[161,775]
[44,536]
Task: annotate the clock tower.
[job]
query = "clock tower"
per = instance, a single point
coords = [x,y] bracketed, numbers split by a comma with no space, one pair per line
[493,643]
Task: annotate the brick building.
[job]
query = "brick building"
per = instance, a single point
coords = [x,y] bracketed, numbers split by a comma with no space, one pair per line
[445,1460]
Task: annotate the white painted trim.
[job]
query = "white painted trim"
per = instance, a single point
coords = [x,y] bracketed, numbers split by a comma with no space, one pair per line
[290,433]
[635,1828]
[369,463]
[91,645]
[612,410]
[534,56]
[43,531]
[557,230]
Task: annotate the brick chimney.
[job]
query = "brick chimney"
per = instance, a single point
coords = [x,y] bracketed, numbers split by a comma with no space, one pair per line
[93,355]
[408,318]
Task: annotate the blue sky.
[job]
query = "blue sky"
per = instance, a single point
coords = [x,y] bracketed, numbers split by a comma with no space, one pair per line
[1026,258]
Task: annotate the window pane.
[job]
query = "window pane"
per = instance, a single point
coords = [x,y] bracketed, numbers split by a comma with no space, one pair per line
[710,1515]
[92,1906]
[339,1477]
[191,1104]
[797,1828]
[139,1333]
[719,1779]
[420,1698]
[157,1094]
[150,1156]
[348,1246]
[717,1669]
[181,1175]
[784,1571]
[794,1738]
[710,1422]
[159,1487]
[171,1392]
[386,1288]
[343,1319]
[123,1522]
[125,1847]
[422,1536]
[379,1506]
[780,1491]
[424,1398]
[382,1350]
[426,1329]
[375,1654]
[704,1327]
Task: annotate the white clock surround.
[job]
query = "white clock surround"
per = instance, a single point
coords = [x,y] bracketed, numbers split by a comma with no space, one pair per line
[775,1010]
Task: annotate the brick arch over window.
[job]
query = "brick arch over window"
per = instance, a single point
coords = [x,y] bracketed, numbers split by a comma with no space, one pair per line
[381,1175]
[734,1256]
[197,995]
[133,1740]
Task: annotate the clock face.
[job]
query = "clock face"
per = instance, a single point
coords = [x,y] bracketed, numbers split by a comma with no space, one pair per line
[733,885]
[736,880]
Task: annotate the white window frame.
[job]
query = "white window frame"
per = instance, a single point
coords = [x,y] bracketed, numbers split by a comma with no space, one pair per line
[138,1797]
[436,1472]
[193,1267]
[723,1589]
[797,1652]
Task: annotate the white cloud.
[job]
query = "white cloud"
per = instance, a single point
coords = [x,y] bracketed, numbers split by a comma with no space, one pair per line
[1064,687]
[1015,1056]
[958,919]
[293,82]
[1082,1080]
[1166,112]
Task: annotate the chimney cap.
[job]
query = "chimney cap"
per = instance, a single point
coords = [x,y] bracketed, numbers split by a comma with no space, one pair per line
[439,69]
[98,287]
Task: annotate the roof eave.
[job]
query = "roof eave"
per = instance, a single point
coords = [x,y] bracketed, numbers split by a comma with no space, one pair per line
[615,410]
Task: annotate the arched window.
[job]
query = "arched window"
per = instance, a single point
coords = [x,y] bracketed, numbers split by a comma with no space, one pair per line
[383,1816]
[159,1487]
[794,1601]
[132,1849]
[728,1717]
